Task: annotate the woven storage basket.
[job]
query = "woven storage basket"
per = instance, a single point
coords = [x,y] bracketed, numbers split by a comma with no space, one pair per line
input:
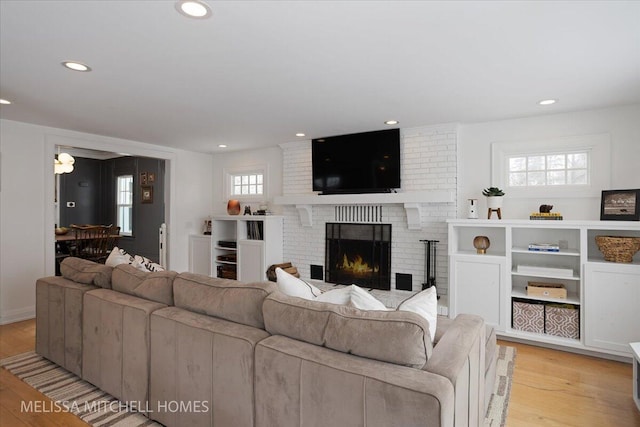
[618,248]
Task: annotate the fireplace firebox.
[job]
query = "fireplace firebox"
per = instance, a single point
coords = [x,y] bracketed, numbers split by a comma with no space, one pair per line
[358,254]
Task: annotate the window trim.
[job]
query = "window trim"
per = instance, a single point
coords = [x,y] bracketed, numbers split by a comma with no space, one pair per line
[597,147]
[229,173]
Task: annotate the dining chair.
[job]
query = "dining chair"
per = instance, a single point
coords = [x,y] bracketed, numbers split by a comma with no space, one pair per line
[113,237]
[90,242]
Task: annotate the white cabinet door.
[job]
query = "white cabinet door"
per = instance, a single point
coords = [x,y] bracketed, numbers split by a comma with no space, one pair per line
[612,305]
[200,255]
[478,287]
[251,264]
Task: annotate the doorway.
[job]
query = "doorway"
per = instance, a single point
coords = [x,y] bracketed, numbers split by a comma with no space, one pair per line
[89,195]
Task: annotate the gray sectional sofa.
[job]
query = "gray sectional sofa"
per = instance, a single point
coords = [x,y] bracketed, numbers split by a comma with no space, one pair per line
[195,350]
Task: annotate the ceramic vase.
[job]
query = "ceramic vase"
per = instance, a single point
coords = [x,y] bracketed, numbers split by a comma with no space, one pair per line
[233,207]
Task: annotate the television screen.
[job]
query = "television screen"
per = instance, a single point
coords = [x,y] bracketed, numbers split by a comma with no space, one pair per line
[366,162]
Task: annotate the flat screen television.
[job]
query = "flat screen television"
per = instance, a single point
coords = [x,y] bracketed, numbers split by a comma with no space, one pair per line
[366,162]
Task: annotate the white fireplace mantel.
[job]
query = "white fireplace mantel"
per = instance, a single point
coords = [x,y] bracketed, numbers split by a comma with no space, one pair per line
[410,200]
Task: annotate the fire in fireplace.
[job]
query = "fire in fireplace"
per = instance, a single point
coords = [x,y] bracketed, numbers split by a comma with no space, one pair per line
[358,254]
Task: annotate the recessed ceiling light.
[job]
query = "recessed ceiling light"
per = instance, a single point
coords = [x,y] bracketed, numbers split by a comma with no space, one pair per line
[391,122]
[76,66]
[194,9]
[222,145]
[4,101]
[547,101]
[300,134]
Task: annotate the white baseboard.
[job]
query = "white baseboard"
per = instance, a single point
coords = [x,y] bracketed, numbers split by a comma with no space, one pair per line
[12,316]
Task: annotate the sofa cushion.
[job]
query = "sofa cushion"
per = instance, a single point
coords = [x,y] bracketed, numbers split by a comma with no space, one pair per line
[86,272]
[223,298]
[390,336]
[156,286]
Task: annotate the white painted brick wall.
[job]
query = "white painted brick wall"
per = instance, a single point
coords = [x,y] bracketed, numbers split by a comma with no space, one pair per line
[429,162]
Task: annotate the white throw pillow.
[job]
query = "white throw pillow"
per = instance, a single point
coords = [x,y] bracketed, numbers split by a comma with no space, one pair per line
[145,264]
[292,286]
[354,296]
[364,300]
[118,256]
[340,296]
[425,304]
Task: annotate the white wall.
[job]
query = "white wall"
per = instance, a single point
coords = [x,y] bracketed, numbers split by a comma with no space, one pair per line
[27,211]
[622,124]
[271,157]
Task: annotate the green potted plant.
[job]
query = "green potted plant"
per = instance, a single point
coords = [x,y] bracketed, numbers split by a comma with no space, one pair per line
[494,197]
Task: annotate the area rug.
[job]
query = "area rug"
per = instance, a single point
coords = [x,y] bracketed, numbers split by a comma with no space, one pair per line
[70,393]
[97,408]
[499,404]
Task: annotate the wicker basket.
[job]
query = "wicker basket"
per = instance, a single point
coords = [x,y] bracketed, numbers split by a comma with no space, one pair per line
[618,248]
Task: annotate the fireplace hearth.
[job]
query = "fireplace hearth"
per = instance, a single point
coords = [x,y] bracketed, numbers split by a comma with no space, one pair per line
[358,254]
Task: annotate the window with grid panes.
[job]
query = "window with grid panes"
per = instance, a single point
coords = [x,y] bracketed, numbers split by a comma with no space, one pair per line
[247,184]
[550,169]
[124,204]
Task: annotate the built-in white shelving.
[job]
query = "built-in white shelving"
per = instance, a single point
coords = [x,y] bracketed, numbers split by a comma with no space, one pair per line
[245,246]
[607,294]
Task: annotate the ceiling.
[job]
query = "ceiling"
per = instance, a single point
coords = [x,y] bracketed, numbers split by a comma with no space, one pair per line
[257,72]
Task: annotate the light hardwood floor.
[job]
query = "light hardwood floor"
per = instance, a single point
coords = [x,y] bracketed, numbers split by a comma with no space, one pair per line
[550,388]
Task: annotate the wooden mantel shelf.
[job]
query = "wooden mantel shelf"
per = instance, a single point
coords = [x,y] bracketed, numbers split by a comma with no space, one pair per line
[411,201]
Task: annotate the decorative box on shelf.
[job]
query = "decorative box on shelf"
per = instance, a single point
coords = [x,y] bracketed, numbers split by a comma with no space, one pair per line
[546,290]
[528,316]
[562,320]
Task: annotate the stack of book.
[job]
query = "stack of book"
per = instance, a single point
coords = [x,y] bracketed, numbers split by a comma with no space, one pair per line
[545,271]
[550,215]
[544,247]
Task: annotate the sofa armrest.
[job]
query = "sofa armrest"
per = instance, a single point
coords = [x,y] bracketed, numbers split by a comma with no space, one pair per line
[459,357]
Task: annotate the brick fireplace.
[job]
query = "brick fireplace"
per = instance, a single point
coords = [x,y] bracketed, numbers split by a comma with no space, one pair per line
[429,163]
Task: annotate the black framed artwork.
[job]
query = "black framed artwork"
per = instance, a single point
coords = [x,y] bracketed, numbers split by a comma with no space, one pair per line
[620,205]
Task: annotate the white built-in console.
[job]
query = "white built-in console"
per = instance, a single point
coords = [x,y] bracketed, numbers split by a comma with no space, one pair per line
[494,285]
[239,247]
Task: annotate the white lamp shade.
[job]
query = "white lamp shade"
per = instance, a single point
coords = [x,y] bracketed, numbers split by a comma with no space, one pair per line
[66,158]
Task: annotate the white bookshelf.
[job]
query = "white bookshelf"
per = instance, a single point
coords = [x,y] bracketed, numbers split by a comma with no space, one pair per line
[607,294]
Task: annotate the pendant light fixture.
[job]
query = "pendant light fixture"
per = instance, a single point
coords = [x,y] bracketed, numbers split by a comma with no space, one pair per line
[63,163]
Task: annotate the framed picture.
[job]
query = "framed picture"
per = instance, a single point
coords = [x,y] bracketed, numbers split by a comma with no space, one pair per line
[143,178]
[151,177]
[620,205]
[147,193]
